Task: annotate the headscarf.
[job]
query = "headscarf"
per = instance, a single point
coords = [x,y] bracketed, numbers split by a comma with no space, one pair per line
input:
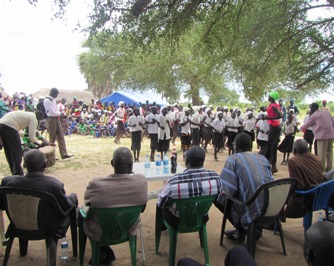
[274,95]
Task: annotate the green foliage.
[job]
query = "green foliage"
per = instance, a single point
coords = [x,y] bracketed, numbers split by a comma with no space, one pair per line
[261,44]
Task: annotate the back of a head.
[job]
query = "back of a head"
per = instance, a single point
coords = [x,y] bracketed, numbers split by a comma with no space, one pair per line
[300,146]
[243,142]
[54,92]
[319,244]
[34,160]
[122,161]
[195,157]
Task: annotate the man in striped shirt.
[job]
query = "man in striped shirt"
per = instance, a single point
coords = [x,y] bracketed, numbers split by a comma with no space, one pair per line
[194,181]
[242,174]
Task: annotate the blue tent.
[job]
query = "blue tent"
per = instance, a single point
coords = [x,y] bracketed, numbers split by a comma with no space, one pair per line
[133,98]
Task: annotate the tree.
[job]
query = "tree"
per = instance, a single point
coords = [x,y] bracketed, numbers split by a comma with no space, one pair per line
[266,43]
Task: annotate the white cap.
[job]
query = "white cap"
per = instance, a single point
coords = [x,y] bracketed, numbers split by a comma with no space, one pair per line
[120,103]
[185,109]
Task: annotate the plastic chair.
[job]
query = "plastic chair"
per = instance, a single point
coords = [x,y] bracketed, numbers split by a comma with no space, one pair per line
[275,195]
[191,212]
[25,209]
[322,194]
[115,224]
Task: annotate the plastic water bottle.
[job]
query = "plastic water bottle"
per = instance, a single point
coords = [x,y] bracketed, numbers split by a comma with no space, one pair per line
[166,164]
[158,165]
[320,217]
[173,162]
[64,249]
[147,165]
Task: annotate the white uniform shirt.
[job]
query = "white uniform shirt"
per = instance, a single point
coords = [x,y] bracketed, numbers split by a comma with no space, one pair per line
[262,125]
[152,128]
[135,120]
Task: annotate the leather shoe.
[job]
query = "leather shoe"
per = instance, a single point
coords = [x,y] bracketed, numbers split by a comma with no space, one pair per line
[235,235]
[68,156]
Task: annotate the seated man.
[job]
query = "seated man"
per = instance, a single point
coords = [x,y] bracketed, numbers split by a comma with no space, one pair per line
[308,170]
[319,244]
[35,162]
[120,189]
[194,181]
[242,174]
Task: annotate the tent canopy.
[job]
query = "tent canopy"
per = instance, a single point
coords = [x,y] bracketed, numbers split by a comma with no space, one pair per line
[133,98]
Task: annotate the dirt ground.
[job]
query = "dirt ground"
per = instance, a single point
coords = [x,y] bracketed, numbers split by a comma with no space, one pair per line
[92,159]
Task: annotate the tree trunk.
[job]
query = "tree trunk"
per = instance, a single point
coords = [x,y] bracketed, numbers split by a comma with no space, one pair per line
[195,98]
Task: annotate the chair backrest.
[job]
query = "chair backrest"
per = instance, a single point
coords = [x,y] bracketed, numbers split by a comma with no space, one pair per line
[192,211]
[24,208]
[275,194]
[115,222]
[322,195]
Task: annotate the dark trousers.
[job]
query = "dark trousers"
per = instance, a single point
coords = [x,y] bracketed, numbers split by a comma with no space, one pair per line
[13,149]
[273,141]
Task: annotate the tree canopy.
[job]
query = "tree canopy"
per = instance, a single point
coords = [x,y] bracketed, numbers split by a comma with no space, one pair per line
[260,44]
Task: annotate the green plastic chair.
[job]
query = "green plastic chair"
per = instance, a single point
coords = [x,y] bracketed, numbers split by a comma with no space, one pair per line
[115,224]
[191,212]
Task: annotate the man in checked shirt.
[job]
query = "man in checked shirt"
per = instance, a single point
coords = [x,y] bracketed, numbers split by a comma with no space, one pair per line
[194,181]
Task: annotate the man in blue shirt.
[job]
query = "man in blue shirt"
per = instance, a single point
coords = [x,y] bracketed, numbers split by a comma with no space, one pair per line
[242,174]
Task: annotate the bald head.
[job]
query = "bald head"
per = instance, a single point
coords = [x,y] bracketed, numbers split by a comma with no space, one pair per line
[300,147]
[34,160]
[319,244]
[122,161]
[195,157]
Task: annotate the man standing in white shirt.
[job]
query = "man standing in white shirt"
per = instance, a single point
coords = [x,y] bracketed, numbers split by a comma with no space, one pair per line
[53,123]
[195,119]
[185,130]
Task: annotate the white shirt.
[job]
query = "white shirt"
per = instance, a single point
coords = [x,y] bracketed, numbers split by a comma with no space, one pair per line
[50,106]
[135,120]
[249,124]
[196,118]
[163,123]
[218,125]
[152,128]
[186,128]
[232,123]
[262,125]
[120,114]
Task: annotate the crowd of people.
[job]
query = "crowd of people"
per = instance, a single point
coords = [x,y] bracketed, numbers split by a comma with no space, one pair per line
[198,127]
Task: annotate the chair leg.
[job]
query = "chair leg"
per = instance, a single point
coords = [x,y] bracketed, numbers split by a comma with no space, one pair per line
[206,247]
[223,230]
[307,221]
[8,249]
[158,228]
[280,229]
[82,241]
[23,243]
[142,242]
[74,232]
[133,249]
[96,249]
[172,246]
[251,239]
[51,251]
[200,234]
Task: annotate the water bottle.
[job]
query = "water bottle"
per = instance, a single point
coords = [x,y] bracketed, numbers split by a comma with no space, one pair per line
[158,165]
[173,162]
[320,217]
[147,165]
[64,249]
[166,164]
